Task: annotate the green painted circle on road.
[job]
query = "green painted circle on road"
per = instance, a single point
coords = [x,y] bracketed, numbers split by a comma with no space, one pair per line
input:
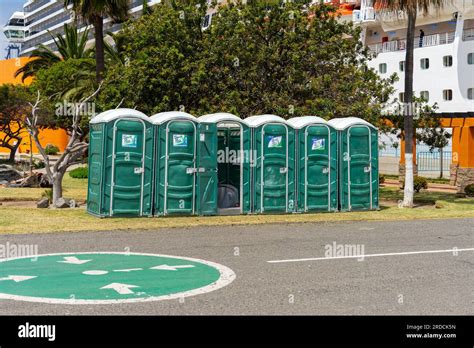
[108,277]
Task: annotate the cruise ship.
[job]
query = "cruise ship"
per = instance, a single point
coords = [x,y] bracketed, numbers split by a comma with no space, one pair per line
[29,28]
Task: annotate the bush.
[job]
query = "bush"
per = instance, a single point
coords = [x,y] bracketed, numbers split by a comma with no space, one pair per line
[419,183]
[469,190]
[79,173]
[48,194]
[381,178]
[51,149]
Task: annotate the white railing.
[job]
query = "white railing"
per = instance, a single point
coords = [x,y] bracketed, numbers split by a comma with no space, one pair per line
[400,45]
[468,34]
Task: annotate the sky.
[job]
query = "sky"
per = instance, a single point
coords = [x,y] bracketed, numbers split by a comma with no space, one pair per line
[7,7]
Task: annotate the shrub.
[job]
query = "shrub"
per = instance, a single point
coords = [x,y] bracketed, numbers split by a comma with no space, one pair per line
[381,178]
[51,149]
[79,173]
[419,183]
[48,194]
[469,190]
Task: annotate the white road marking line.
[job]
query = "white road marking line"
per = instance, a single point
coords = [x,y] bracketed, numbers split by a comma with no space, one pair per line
[372,255]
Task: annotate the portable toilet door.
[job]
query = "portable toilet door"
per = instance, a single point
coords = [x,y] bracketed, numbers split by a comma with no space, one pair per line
[120,164]
[175,163]
[273,167]
[316,164]
[358,164]
[233,185]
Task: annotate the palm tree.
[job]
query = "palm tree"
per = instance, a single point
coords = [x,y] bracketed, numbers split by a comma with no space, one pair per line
[94,11]
[72,45]
[411,8]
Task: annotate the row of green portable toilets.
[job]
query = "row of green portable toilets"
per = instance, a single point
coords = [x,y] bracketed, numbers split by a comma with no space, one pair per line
[176,164]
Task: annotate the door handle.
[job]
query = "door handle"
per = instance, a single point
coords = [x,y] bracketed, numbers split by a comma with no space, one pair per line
[325,170]
[138,170]
[367,169]
[283,170]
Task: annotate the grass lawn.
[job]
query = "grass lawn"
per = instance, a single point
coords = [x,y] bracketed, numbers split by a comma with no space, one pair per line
[73,188]
[29,220]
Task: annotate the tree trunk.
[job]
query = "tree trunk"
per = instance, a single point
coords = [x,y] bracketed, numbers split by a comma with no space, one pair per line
[13,150]
[408,111]
[440,162]
[57,186]
[99,47]
[31,156]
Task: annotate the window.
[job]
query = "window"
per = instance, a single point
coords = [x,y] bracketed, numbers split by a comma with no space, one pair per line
[383,68]
[425,95]
[401,97]
[447,94]
[424,63]
[470,93]
[470,58]
[447,61]
[401,65]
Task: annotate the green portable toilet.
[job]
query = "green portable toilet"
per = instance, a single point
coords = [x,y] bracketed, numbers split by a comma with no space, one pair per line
[120,164]
[175,164]
[273,164]
[358,164]
[316,164]
[233,186]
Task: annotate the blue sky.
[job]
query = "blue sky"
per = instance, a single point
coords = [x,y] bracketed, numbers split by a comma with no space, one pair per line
[7,7]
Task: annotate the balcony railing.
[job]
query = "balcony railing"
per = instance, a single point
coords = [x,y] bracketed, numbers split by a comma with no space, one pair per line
[35,5]
[400,45]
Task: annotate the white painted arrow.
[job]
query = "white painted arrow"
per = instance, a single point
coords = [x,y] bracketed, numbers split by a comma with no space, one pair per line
[17,278]
[74,260]
[122,289]
[171,268]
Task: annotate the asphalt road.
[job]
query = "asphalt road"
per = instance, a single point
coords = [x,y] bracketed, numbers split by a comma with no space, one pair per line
[428,283]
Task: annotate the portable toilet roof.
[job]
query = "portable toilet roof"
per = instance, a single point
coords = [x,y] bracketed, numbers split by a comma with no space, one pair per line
[162,117]
[110,115]
[258,120]
[343,123]
[303,121]
[220,117]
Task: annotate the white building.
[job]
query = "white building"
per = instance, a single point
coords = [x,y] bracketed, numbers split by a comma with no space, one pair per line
[443,56]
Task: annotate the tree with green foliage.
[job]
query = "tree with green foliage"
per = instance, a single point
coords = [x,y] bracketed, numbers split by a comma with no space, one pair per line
[94,12]
[13,108]
[71,46]
[162,67]
[67,80]
[294,59]
[436,138]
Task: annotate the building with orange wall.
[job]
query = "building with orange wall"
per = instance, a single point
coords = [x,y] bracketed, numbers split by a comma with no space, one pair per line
[57,137]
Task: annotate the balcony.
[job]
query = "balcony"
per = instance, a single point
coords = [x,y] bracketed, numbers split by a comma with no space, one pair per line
[400,45]
[468,34]
[36,4]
